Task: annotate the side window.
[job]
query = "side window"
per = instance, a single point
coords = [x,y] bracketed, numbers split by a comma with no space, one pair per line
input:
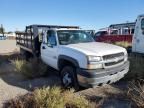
[51,38]
[132,31]
[97,34]
[142,24]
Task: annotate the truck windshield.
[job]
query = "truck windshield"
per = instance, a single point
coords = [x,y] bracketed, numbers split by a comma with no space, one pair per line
[73,36]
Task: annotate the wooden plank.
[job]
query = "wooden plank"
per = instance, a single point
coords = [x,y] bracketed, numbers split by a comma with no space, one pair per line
[25,48]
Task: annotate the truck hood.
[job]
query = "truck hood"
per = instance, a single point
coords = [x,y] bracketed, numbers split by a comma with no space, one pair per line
[96,48]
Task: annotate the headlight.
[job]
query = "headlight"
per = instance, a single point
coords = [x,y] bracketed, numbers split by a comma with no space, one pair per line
[93,62]
[94,58]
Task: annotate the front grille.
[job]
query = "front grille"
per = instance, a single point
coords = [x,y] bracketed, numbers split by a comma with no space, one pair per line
[113,63]
[112,56]
[110,60]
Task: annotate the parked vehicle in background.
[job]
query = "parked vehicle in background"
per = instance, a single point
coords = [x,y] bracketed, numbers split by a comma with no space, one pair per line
[11,35]
[2,37]
[138,37]
[130,35]
[74,54]
[120,34]
[101,33]
[91,32]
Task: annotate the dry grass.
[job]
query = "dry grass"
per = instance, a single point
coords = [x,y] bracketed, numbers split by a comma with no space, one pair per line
[136,93]
[19,65]
[31,69]
[123,44]
[49,98]
[136,67]
[75,101]
[56,98]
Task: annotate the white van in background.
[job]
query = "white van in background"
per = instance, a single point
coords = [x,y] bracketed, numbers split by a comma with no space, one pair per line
[138,37]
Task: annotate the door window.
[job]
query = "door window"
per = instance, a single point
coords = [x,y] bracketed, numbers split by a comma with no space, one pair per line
[51,38]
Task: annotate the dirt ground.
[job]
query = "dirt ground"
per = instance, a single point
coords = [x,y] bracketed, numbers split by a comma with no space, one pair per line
[7,46]
[13,84]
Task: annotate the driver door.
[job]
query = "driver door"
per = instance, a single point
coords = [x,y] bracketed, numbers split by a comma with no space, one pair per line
[49,49]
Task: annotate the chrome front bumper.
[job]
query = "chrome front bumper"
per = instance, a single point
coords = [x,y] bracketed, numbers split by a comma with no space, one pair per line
[91,78]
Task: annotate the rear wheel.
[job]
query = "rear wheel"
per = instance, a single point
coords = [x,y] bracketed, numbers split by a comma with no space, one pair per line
[69,78]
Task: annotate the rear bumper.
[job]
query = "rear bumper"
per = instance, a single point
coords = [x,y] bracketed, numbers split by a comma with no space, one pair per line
[91,78]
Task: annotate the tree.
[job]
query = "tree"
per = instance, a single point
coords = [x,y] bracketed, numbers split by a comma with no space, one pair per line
[2,30]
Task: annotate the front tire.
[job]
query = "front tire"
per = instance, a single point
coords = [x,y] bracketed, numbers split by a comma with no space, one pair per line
[69,78]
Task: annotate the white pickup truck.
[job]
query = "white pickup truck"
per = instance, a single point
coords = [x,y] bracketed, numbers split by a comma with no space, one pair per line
[74,53]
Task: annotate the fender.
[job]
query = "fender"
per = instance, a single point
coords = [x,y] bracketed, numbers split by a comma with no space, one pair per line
[69,59]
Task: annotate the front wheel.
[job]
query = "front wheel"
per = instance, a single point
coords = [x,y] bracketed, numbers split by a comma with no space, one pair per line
[69,78]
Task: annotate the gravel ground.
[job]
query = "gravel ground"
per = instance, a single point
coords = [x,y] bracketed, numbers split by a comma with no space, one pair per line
[109,96]
[8,92]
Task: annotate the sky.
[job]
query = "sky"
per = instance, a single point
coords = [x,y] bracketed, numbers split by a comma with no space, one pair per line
[88,14]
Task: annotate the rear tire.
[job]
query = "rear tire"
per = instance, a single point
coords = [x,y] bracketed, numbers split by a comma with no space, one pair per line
[69,78]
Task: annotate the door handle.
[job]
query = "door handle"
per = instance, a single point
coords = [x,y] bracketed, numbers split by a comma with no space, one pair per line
[43,47]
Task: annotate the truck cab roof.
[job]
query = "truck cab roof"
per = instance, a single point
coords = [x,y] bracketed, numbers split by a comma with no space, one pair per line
[54,26]
[142,15]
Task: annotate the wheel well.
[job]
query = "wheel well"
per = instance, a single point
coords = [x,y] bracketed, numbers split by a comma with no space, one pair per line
[63,63]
